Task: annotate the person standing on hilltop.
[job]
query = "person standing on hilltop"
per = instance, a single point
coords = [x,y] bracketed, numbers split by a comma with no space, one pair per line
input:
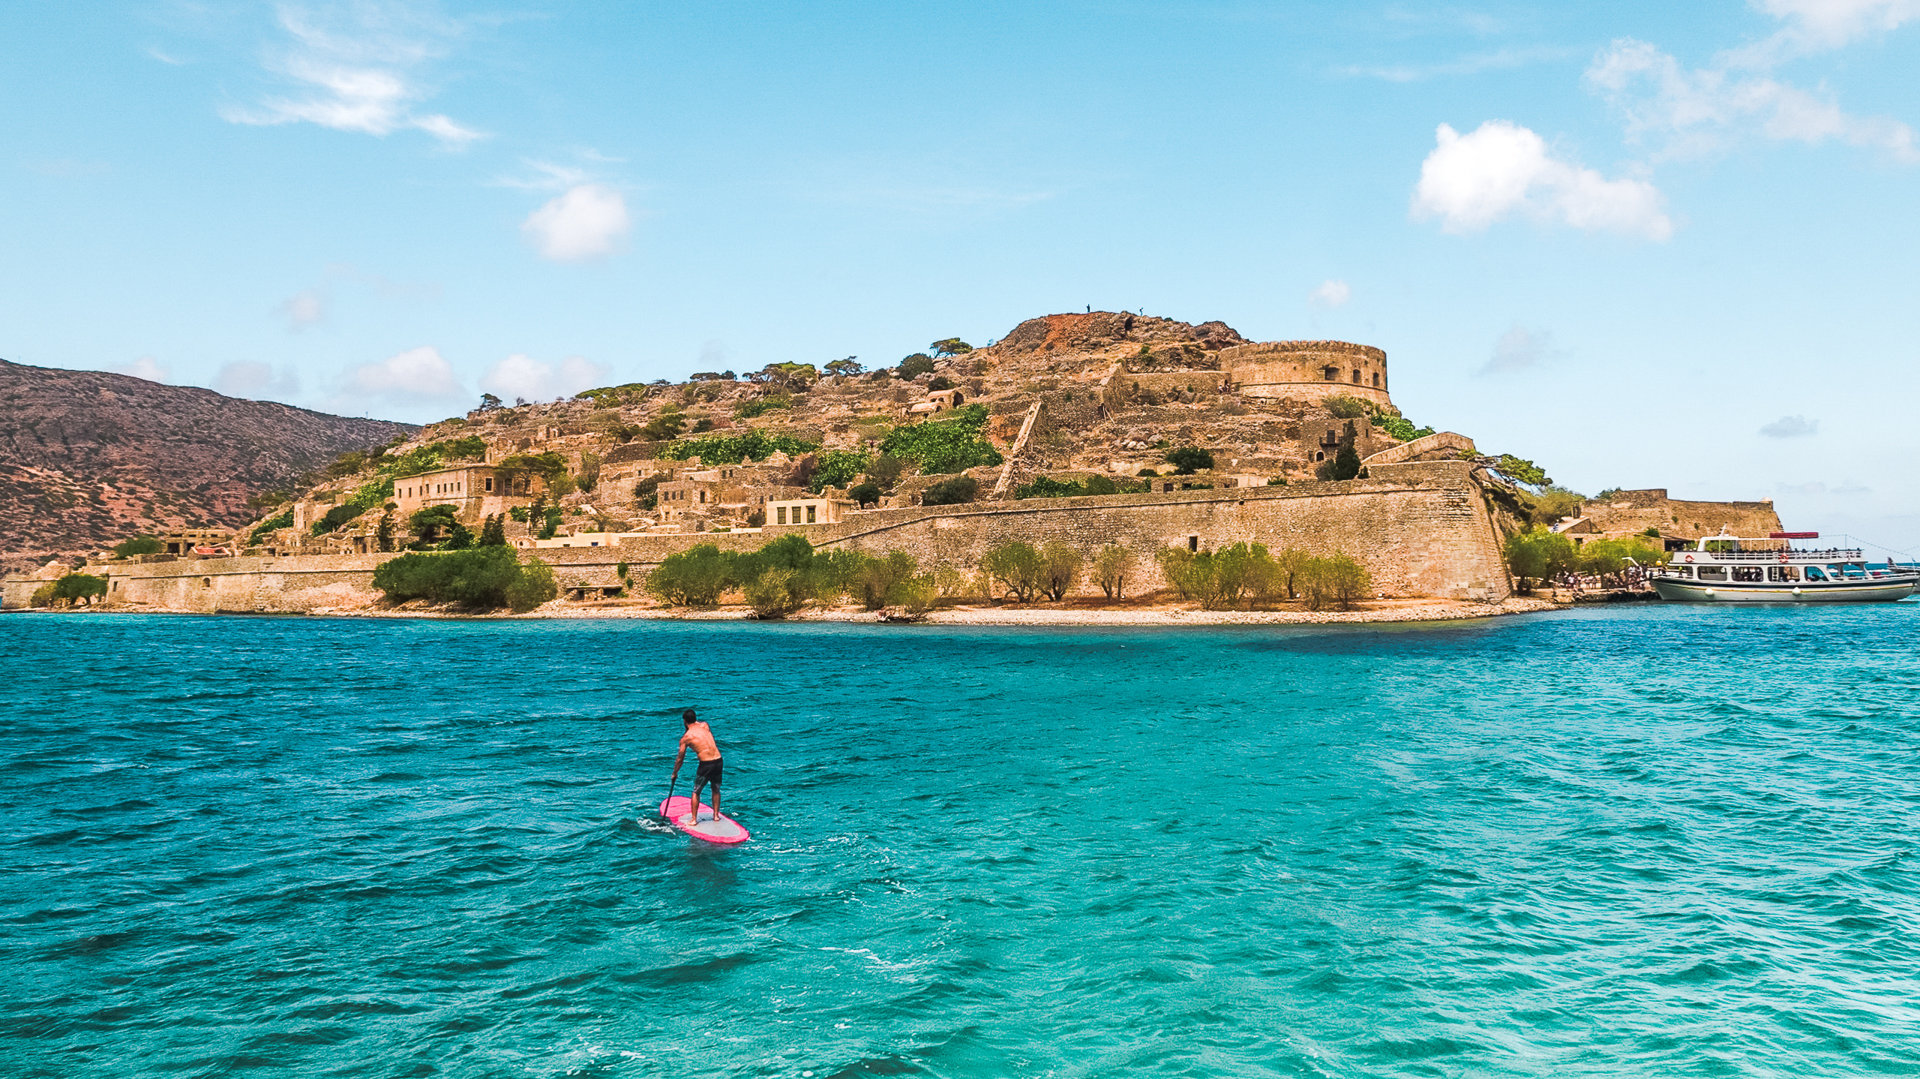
[699,737]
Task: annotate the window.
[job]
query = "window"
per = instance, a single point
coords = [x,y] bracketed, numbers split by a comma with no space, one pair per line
[1376,380]
[489,483]
[1193,543]
[1686,571]
[1356,376]
[1747,574]
[810,511]
[1713,573]
[780,514]
[1815,573]
[1783,573]
[1331,374]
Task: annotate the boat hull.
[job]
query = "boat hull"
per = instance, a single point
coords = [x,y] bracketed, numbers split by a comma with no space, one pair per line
[1881,591]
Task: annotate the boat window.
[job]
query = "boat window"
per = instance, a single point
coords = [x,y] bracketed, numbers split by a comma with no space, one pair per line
[1815,573]
[1713,573]
[1783,573]
[1748,574]
[1686,571]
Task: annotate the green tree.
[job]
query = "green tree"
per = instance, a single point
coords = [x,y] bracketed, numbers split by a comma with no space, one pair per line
[430,524]
[494,532]
[1110,568]
[950,346]
[1521,470]
[478,578]
[775,593]
[1346,462]
[845,368]
[837,468]
[950,492]
[535,585]
[138,545]
[589,470]
[877,582]
[1536,555]
[1018,567]
[913,366]
[336,517]
[1186,460]
[695,577]
[383,532]
[865,494]
[76,588]
[459,537]
[665,426]
[1060,569]
[886,470]
[1337,581]
[488,402]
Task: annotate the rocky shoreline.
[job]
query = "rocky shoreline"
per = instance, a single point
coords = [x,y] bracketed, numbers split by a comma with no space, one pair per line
[1373,612]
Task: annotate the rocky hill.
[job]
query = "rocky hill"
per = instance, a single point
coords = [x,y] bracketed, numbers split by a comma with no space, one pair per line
[89,458]
[1091,401]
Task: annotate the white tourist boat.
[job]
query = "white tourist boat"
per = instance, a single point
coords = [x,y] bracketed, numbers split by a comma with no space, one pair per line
[1733,569]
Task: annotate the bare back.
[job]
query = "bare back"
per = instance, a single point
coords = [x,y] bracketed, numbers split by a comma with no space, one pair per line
[699,738]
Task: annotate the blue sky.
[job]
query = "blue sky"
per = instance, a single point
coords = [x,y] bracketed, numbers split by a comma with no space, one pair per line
[1644,244]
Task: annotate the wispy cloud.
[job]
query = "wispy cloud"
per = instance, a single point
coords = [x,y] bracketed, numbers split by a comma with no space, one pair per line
[1330,294]
[1501,169]
[522,377]
[1704,110]
[1520,349]
[304,309]
[1791,427]
[246,378]
[144,367]
[358,67]
[1472,64]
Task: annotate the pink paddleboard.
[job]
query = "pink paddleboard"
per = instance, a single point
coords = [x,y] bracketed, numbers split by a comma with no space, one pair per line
[725,830]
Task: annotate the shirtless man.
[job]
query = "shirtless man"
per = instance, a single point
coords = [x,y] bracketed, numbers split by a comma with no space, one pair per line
[700,738]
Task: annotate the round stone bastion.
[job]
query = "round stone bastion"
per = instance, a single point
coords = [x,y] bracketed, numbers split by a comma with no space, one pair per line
[1307,370]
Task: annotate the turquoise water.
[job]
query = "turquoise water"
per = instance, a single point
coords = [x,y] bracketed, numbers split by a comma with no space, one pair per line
[1669,841]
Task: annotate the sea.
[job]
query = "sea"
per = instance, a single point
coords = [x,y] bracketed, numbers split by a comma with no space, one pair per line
[1663,840]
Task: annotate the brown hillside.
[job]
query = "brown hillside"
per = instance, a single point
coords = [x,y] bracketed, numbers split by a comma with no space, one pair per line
[89,458]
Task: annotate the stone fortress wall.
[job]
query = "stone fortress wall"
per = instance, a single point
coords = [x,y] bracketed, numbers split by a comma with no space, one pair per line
[1422,529]
[1307,370]
[1627,512]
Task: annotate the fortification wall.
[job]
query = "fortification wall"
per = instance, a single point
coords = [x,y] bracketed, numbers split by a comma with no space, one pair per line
[1421,529]
[1307,370]
[1439,445]
[1637,511]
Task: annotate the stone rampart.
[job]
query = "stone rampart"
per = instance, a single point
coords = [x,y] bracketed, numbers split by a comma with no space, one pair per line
[1637,511]
[1307,370]
[1440,444]
[1420,529]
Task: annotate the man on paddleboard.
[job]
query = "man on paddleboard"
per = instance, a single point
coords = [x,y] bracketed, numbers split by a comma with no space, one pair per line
[699,738]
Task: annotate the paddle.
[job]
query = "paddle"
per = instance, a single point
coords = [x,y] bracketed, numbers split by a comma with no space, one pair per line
[670,786]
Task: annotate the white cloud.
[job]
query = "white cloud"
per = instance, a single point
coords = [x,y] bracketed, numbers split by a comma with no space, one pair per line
[1520,349]
[418,375]
[305,308]
[1331,293]
[245,378]
[521,376]
[1791,427]
[145,367]
[586,222]
[1705,110]
[357,68]
[1814,25]
[1500,169]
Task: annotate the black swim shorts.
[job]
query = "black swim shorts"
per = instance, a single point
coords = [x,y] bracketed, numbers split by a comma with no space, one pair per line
[708,772]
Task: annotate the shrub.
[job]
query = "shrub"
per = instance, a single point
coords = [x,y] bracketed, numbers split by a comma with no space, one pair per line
[1018,567]
[885,471]
[939,382]
[865,494]
[749,445]
[951,492]
[838,468]
[915,594]
[1110,570]
[42,596]
[760,406]
[1399,427]
[1101,485]
[940,446]
[372,494]
[428,523]
[1048,487]
[915,365]
[875,581]
[666,425]
[775,593]
[433,455]
[283,519]
[534,586]
[338,516]
[695,577]
[1186,460]
[1551,504]
[1346,406]
[480,577]
[140,545]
